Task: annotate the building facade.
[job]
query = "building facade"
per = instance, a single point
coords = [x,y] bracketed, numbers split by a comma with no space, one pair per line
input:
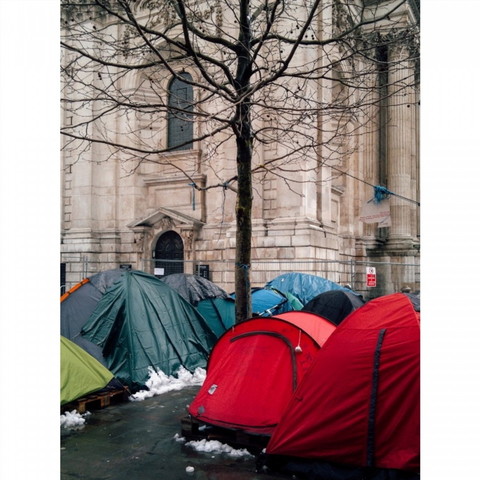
[165,216]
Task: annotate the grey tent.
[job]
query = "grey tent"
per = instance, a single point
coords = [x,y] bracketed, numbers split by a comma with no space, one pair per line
[414,299]
[78,304]
[194,288]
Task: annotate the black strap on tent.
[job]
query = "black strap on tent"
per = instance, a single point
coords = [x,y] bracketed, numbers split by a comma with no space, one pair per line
[373,401]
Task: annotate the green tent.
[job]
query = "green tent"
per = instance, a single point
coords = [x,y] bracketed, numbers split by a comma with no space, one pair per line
[218,312]
[80,373]
[140,322]
[214,304]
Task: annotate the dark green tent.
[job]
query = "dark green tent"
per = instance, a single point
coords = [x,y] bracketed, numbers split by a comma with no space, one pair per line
[80,373]
[219,313]
[140,322]
[213,303]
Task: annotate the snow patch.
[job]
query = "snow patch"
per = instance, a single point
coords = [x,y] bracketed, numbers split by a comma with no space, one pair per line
[73,420]
[179,438]
[158,382]
[214,446]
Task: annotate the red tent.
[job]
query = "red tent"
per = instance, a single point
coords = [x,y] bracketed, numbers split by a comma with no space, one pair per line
[359,404]
[254,368]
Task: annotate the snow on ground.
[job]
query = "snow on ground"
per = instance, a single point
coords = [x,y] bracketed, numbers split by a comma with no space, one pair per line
[73,420]
[158,382]
[215,447]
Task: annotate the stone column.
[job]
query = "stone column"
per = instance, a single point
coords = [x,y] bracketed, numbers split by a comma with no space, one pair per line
[369,163]
[401,122]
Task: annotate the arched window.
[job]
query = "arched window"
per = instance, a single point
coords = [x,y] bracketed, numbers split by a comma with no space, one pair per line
[180,118]
[169,254]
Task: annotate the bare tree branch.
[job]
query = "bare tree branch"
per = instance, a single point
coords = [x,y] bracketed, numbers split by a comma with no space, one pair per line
[300,76]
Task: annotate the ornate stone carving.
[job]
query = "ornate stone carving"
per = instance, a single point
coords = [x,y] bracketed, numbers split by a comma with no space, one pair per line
[166,223]
[187,236]
[139,239]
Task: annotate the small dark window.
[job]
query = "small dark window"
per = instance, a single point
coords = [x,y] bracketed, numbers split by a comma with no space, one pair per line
[180,118]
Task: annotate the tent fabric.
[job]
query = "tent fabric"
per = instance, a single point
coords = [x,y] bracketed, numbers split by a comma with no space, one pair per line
[267,302]
[292,467]
[295,303]
[334,305]
[255,367]
[219,313]
[318,327]
[140,322]
[78,304]
[213,303]
[194,288]
[303,285]
[415,299]
[80,373]
[359,404]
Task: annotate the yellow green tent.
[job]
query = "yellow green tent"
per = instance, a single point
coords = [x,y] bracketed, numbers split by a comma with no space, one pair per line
[80,373]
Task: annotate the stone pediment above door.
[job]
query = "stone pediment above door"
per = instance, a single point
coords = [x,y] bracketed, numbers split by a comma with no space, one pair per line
[164,219]
[168,217]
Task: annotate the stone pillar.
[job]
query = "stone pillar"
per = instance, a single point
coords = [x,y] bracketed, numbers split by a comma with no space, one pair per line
[369,161]
[401,122]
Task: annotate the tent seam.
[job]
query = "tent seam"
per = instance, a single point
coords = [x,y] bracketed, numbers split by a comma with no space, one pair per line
[373,400]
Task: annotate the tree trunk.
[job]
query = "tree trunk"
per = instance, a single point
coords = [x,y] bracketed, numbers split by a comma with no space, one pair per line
[243,210]
[243,132]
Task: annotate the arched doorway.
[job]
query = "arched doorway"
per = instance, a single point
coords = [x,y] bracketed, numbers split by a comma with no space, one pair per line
[168,254]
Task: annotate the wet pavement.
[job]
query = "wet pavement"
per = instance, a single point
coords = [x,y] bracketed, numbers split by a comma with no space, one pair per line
[136,441]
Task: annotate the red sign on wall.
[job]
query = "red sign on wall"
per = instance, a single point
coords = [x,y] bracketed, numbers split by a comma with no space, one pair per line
[371,277]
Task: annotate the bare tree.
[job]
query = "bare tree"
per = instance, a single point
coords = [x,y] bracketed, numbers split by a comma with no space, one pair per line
[301,74]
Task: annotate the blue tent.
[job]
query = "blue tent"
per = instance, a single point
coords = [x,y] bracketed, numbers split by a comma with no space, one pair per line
[303,285]
[267,302]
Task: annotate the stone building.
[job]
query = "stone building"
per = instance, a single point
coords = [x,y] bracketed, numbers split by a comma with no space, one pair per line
[163,217]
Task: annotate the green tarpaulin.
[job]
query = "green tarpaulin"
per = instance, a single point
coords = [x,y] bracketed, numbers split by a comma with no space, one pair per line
[140,322]
[219,313]
[213,303]
[80,373]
